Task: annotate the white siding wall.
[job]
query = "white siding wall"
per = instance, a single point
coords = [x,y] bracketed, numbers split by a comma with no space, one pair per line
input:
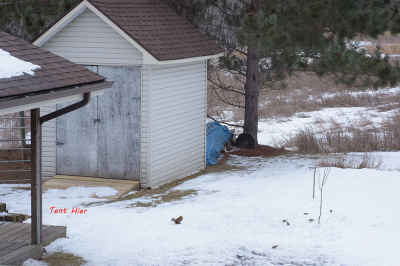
[48,144]
[144,160]
[177,121]
[88,40]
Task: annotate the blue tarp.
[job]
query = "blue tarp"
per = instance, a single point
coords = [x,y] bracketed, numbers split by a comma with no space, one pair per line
[217,136]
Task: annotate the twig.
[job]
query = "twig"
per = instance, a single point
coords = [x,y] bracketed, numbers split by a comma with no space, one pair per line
[313,192]
[232,125]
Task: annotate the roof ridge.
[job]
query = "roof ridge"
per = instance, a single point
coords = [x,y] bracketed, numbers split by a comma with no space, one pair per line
[155,28]
[121,28]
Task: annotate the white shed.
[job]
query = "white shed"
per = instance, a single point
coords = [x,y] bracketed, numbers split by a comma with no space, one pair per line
[151,126]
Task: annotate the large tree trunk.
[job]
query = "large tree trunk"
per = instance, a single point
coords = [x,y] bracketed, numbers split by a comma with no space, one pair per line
[251,91]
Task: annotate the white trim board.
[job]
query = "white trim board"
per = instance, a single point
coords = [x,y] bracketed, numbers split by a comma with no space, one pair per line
[188,60]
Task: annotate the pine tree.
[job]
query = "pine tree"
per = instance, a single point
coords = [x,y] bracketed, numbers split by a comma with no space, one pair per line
[27,18]
[268,40]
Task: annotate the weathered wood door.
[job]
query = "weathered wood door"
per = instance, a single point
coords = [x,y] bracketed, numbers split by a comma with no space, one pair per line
[103,138]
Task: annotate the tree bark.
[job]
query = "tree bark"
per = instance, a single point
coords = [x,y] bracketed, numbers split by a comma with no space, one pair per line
[251,90]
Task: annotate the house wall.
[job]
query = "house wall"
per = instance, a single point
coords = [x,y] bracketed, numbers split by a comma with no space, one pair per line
[48,144]
[145,136]
[176,121]
[88,40]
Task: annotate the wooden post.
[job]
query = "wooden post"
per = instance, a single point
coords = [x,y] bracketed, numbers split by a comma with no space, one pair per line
[36,177]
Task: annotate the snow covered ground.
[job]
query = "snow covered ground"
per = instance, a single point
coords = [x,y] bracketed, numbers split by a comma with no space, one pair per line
[236,218]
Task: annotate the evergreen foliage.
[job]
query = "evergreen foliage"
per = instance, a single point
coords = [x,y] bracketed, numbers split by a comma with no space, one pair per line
[26,19]
[267,40]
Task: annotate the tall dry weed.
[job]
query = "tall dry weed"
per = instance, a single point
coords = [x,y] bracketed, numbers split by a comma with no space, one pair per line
[371,160]
[354,137]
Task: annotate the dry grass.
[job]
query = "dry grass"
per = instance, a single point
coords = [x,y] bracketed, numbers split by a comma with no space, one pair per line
[390,49]
[369,160]
[305,93]
[63,259]
[358,136]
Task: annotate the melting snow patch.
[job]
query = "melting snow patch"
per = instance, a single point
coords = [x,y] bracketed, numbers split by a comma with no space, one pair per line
[82,192]
[11,66]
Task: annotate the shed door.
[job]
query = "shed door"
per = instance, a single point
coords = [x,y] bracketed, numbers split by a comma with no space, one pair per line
[103,138]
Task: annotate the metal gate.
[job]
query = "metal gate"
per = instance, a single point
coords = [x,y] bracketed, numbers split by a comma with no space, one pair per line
[15,147]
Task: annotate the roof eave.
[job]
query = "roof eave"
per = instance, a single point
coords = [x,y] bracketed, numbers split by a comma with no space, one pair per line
[45,98]
[187,60]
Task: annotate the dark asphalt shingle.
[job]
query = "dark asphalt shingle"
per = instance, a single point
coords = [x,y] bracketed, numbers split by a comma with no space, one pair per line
[54,73]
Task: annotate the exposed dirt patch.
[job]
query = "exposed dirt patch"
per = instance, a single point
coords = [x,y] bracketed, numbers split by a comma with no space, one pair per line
[15,177]
[260,150]
[62,259]
[169,196]
[166,192]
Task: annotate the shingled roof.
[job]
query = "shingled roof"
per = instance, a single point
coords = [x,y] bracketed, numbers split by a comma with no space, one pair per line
[55,72]
[156,28]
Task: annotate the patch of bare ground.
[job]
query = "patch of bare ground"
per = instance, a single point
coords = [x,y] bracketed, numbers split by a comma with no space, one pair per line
[168,193]
[63,259]
[260,150]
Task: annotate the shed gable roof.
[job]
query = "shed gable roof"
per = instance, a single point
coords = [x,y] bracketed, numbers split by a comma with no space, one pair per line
[155,28]
[54,73]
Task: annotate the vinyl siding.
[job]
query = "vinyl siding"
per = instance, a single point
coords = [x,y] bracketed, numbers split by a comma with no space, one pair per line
[144,160]
[88,40]
[178,114]
[48,144]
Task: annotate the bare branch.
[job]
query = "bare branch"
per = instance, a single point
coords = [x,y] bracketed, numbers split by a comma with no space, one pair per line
[225,88]
[225,101]
[229,124]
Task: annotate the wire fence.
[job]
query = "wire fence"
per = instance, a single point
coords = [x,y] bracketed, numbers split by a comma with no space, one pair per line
[15,132]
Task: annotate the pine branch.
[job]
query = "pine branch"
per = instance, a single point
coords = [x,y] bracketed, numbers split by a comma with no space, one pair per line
[21,2]
[227,14]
